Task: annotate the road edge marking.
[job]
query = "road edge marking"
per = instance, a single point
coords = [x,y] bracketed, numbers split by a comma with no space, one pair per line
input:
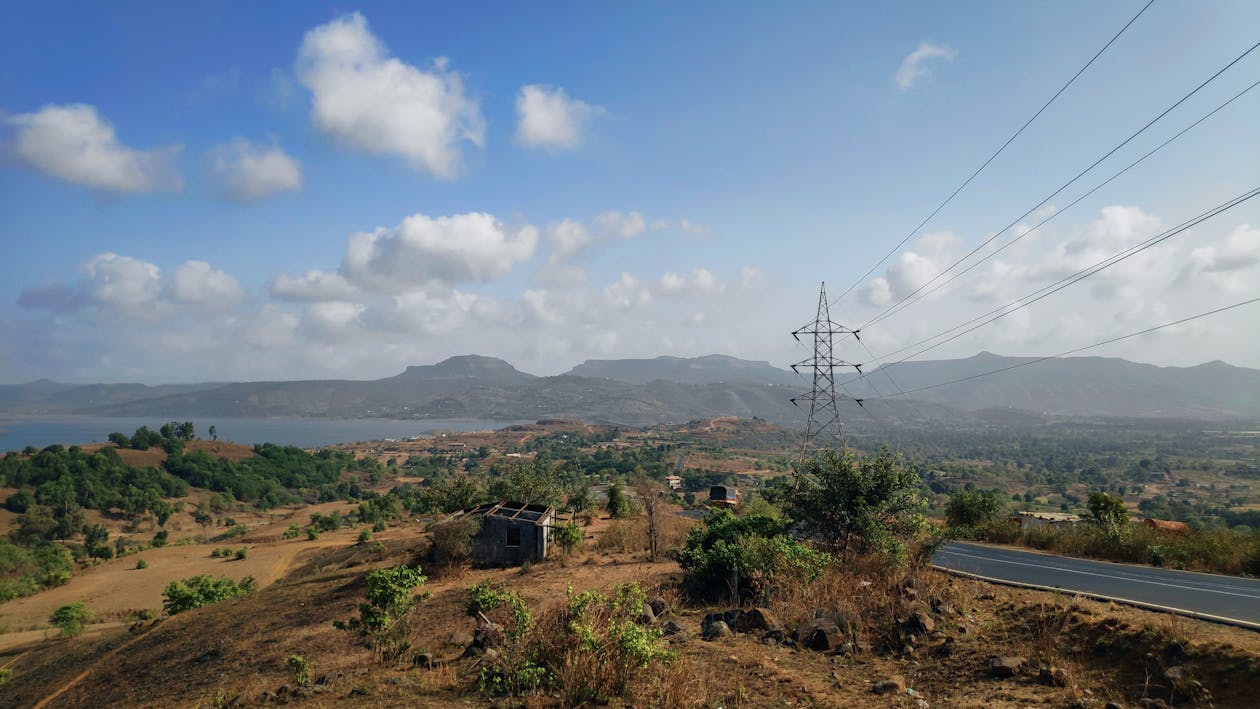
[1248,625]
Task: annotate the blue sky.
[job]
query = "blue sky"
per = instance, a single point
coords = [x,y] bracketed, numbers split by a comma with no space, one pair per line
[588,180]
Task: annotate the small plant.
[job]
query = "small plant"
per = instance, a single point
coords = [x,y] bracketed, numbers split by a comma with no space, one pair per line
[488,596]
[142,564]
[160,539]
[377,548]
[70,618]
[300,668]
[364,537]
[242,553]
[312,534]
[6,675]
[292,532]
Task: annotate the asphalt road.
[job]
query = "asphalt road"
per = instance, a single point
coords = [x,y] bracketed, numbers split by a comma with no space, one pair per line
[1221,597]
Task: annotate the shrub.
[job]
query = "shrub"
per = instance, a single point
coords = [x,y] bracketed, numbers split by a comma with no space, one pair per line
[300,668]
[867,503]
[242,553]
[292,532]
[619,505]
[312,533]
[202,590]
[142,564]
[747,555]
[325,523]
[364,537]
[488,596]
[973,508]
[567,536]
[70,618]
[452,539]
[160,539]
[6,675]
[383,616]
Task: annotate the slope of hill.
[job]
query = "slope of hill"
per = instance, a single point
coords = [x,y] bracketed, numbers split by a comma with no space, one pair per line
[710,369]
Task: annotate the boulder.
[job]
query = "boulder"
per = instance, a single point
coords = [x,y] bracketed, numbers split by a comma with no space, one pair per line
[488,635]
[820,634]
[648,616]
[1055,676]
[1007,666]
[716,629]
[673,627]
[461,639]
[757,619]
[895,684]
[659,606]
[920,623]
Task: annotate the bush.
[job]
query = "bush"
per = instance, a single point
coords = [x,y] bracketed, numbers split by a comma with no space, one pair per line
[300,668]
[619,505]
[382,620]
[242,553]
[747,555]
[452,539]
[567,536]
[488,596]
[142,564]
[867,503]
[202,590]
[364,536]
[973,508]
[292,532]
[70,618]
[160,539]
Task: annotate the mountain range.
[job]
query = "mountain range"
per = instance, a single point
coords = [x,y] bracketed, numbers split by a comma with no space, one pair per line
[671,389]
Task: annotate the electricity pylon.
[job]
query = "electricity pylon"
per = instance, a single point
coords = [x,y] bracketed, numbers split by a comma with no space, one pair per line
[823,428]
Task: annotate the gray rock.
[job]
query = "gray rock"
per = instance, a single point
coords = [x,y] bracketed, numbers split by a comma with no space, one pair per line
[1008,666]
[895,684]
[716,629]
[659,606]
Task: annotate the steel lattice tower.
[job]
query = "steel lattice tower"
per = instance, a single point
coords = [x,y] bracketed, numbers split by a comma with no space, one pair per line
[823,428]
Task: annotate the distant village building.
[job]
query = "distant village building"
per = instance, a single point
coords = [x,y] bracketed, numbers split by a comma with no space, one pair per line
[1037,520]
[511,533]
[723,496]
[674,482]
[1166,526]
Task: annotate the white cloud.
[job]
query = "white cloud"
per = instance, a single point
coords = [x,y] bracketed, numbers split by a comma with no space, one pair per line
[196,283]
[690,227]
[548,118]
[247,172]
[313,286]
[912,269]
[914,66]
[74,143]
[373,102]
[623,225]
[421,249]
[569,237]
[122,283]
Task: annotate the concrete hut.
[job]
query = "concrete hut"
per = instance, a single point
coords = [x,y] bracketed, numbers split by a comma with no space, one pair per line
[511,533]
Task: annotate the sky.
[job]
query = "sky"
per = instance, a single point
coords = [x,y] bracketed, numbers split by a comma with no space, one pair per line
[249,191]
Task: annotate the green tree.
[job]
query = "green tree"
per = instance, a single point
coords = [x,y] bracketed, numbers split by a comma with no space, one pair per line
[973,508]
[214,433]
[867,503]
[618,504]
[383,616]
[1108,512]
[70,619]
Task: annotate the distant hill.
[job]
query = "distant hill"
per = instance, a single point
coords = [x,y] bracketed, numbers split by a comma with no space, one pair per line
[672,389]
[710,369]
[1077,386]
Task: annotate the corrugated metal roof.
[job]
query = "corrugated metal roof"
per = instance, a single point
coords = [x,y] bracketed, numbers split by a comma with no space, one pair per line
[511,510]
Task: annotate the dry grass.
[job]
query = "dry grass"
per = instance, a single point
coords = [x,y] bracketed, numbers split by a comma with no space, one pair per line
[629,535]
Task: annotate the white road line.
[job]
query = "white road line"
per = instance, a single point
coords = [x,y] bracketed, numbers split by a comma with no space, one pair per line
[1108,576]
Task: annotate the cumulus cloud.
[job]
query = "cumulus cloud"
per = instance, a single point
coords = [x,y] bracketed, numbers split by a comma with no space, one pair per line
[313,286]
[911,270]
[454,249]
[76,144]
[916,64]
[548,118]
[197,283]
[376,103]
[569,237]
[247,172]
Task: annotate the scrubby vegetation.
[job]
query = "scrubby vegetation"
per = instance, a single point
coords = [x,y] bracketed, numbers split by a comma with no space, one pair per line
[202,590]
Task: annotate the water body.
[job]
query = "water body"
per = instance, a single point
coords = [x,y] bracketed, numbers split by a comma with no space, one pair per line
[38,431]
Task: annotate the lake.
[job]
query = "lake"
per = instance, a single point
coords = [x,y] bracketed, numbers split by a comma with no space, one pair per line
[20,432]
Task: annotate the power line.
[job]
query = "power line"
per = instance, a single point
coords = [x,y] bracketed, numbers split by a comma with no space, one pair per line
[1067,184]
[1074,351]
[1009,140]
[1074,278]
[907,303]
